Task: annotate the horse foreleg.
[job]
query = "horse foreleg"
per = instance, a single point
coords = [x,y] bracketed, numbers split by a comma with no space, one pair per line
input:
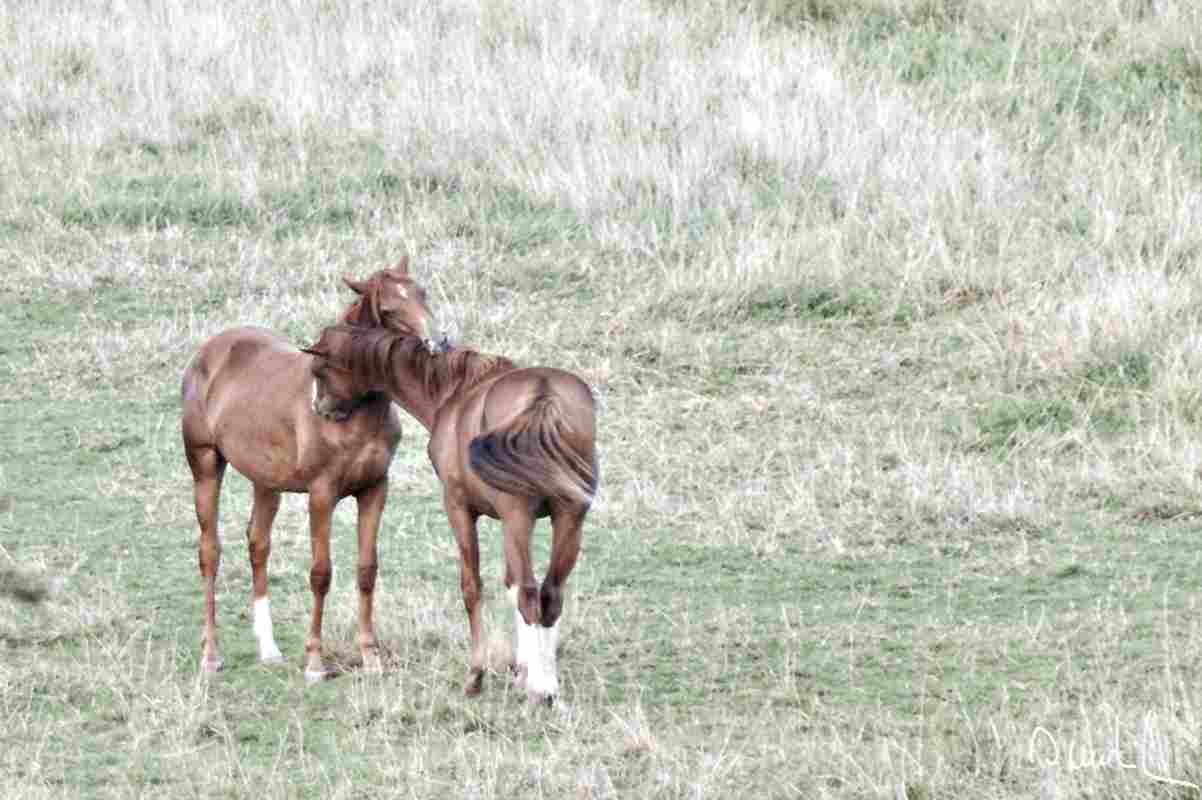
[321,508]
[463,522]
[208,469]
[258,545]
[371,507]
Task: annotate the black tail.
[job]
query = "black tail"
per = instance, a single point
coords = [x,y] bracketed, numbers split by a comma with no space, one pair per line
[532,456]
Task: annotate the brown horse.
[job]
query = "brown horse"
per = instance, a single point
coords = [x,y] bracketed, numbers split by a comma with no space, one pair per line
[250,399]
[509,443]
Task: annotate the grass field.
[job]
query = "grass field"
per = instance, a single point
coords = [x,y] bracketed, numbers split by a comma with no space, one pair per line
[893,313]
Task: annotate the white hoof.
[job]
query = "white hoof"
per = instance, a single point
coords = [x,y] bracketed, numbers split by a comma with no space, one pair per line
[316,676]
[541,685]
[269,653]
[211,666]
[540,699]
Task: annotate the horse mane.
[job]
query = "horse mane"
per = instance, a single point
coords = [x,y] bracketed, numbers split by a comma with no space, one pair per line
[362,311]
[376,356]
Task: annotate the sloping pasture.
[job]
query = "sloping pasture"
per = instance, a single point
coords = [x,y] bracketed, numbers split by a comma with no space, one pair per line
[893,313]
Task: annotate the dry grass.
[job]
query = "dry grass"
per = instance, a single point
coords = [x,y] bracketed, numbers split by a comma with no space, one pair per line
[892,309]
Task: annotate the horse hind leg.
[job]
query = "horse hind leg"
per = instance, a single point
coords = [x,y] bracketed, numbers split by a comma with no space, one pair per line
[535,647]
[258,545]
[519,579]
[566,527]
[537,610]
[208,470]
[542,682]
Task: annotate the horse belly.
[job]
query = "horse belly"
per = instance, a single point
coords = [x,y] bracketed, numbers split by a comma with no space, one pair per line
[256,424]
[265,455]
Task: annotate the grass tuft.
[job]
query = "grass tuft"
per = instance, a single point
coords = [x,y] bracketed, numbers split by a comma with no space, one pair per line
[243,114]
[1130,370]
[1009,422]
[869,13]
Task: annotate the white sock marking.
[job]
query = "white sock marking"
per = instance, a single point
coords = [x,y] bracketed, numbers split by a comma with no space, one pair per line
[520,647]
[261,614]
[535,649]
[541,675]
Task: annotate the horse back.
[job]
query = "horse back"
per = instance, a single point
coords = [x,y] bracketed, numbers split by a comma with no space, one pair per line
[247,395]
[232,368]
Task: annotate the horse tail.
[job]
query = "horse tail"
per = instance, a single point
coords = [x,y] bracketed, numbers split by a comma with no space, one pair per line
[533,455]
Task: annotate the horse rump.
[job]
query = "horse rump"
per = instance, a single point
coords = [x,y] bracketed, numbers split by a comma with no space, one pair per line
[534,456]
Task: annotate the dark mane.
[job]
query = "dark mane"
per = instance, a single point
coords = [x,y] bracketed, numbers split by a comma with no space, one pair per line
[360,312]
[377,357]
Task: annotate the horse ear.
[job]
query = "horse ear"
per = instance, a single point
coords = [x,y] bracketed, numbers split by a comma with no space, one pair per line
[402,266]
[358,287]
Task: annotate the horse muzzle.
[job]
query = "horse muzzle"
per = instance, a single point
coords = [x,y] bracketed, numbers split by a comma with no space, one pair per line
[438,344]
[326,409]
[332,413]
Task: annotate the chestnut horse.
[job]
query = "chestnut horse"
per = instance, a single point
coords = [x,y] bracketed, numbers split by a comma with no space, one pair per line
[509,443]
[249,399]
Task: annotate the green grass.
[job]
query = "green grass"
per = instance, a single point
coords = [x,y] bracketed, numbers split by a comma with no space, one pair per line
[1007,421]
[701,626]
[155,202]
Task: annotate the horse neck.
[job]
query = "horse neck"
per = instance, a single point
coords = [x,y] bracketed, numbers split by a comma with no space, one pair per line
[420,404]
[422,385]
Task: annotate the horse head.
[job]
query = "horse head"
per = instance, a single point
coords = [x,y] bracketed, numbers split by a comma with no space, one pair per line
[352,363]
[392,299]
[336,392]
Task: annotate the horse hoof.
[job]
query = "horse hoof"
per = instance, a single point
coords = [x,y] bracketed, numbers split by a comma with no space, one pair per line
[313,676]
[474,684]
[519,676]
[211,666]
[540,699]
